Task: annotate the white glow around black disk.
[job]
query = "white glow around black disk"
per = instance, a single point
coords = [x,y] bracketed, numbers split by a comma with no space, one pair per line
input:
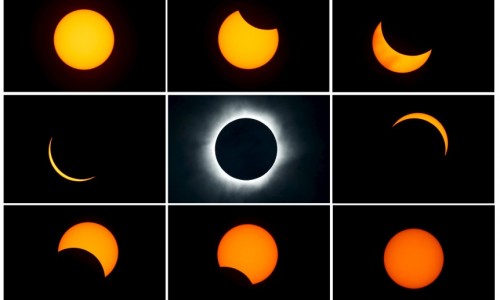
[239,109]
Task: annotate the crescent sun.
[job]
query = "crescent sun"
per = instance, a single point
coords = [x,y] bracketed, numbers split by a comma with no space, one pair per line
[60,172]
[393,60]
[430,119]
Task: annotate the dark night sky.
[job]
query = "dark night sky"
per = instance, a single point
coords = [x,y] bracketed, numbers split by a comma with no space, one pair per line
[301,62]
[137,62]
[361,233]
[118,139]
[34,269]
[301,170]
[375,162]
[460,35]
[301,234]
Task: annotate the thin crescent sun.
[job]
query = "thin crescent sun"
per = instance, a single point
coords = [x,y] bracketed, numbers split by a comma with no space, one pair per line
[245,46]
[430,119]
[95,239]
[60,172]
[393,60]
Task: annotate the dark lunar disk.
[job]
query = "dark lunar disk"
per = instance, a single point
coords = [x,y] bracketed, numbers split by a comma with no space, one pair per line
[246,149]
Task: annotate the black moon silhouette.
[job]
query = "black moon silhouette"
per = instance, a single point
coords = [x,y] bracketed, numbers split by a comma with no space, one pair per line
[246,149]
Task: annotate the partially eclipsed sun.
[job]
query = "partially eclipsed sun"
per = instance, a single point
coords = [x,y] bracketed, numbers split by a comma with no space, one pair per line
[245,46]
[95,239]
[431,120]
[393,60]
[249,249]
[61,173]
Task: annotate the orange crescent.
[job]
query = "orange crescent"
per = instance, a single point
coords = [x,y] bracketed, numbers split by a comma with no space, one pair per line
[430,119]
[393,60]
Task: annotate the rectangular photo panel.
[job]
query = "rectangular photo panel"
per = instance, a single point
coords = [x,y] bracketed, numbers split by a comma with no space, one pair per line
[58,45]
[264,149]
[84,149]
[413,149]
[409,46]
[255,45]
[413,252]
[84,252]
[248,252]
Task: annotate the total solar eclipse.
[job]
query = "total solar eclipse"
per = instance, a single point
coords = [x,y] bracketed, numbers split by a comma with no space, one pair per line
[246,149]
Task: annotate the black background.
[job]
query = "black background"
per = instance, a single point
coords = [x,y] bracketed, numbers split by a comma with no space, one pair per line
[118,139]
[137,62]
[361,233]
[301,234]
[35,270]
[301,62]
[375,162]
[460,35]
[305,120]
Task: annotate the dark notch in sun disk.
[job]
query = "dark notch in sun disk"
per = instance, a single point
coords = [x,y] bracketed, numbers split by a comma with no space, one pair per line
[246,149]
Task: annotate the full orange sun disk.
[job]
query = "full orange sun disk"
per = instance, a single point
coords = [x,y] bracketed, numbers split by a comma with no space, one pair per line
[413,258]
[249,249]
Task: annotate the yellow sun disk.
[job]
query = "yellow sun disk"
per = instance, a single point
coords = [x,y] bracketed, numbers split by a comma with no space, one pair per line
[58,171]
[249,249]
[393,60]
[84,39]
[430,119]
[95,239]
[245,46]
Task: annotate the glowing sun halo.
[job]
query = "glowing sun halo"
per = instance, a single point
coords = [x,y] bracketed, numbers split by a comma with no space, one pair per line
[84,39]
[242,111]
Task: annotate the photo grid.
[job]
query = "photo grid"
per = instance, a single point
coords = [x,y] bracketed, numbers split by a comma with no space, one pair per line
[248,149]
